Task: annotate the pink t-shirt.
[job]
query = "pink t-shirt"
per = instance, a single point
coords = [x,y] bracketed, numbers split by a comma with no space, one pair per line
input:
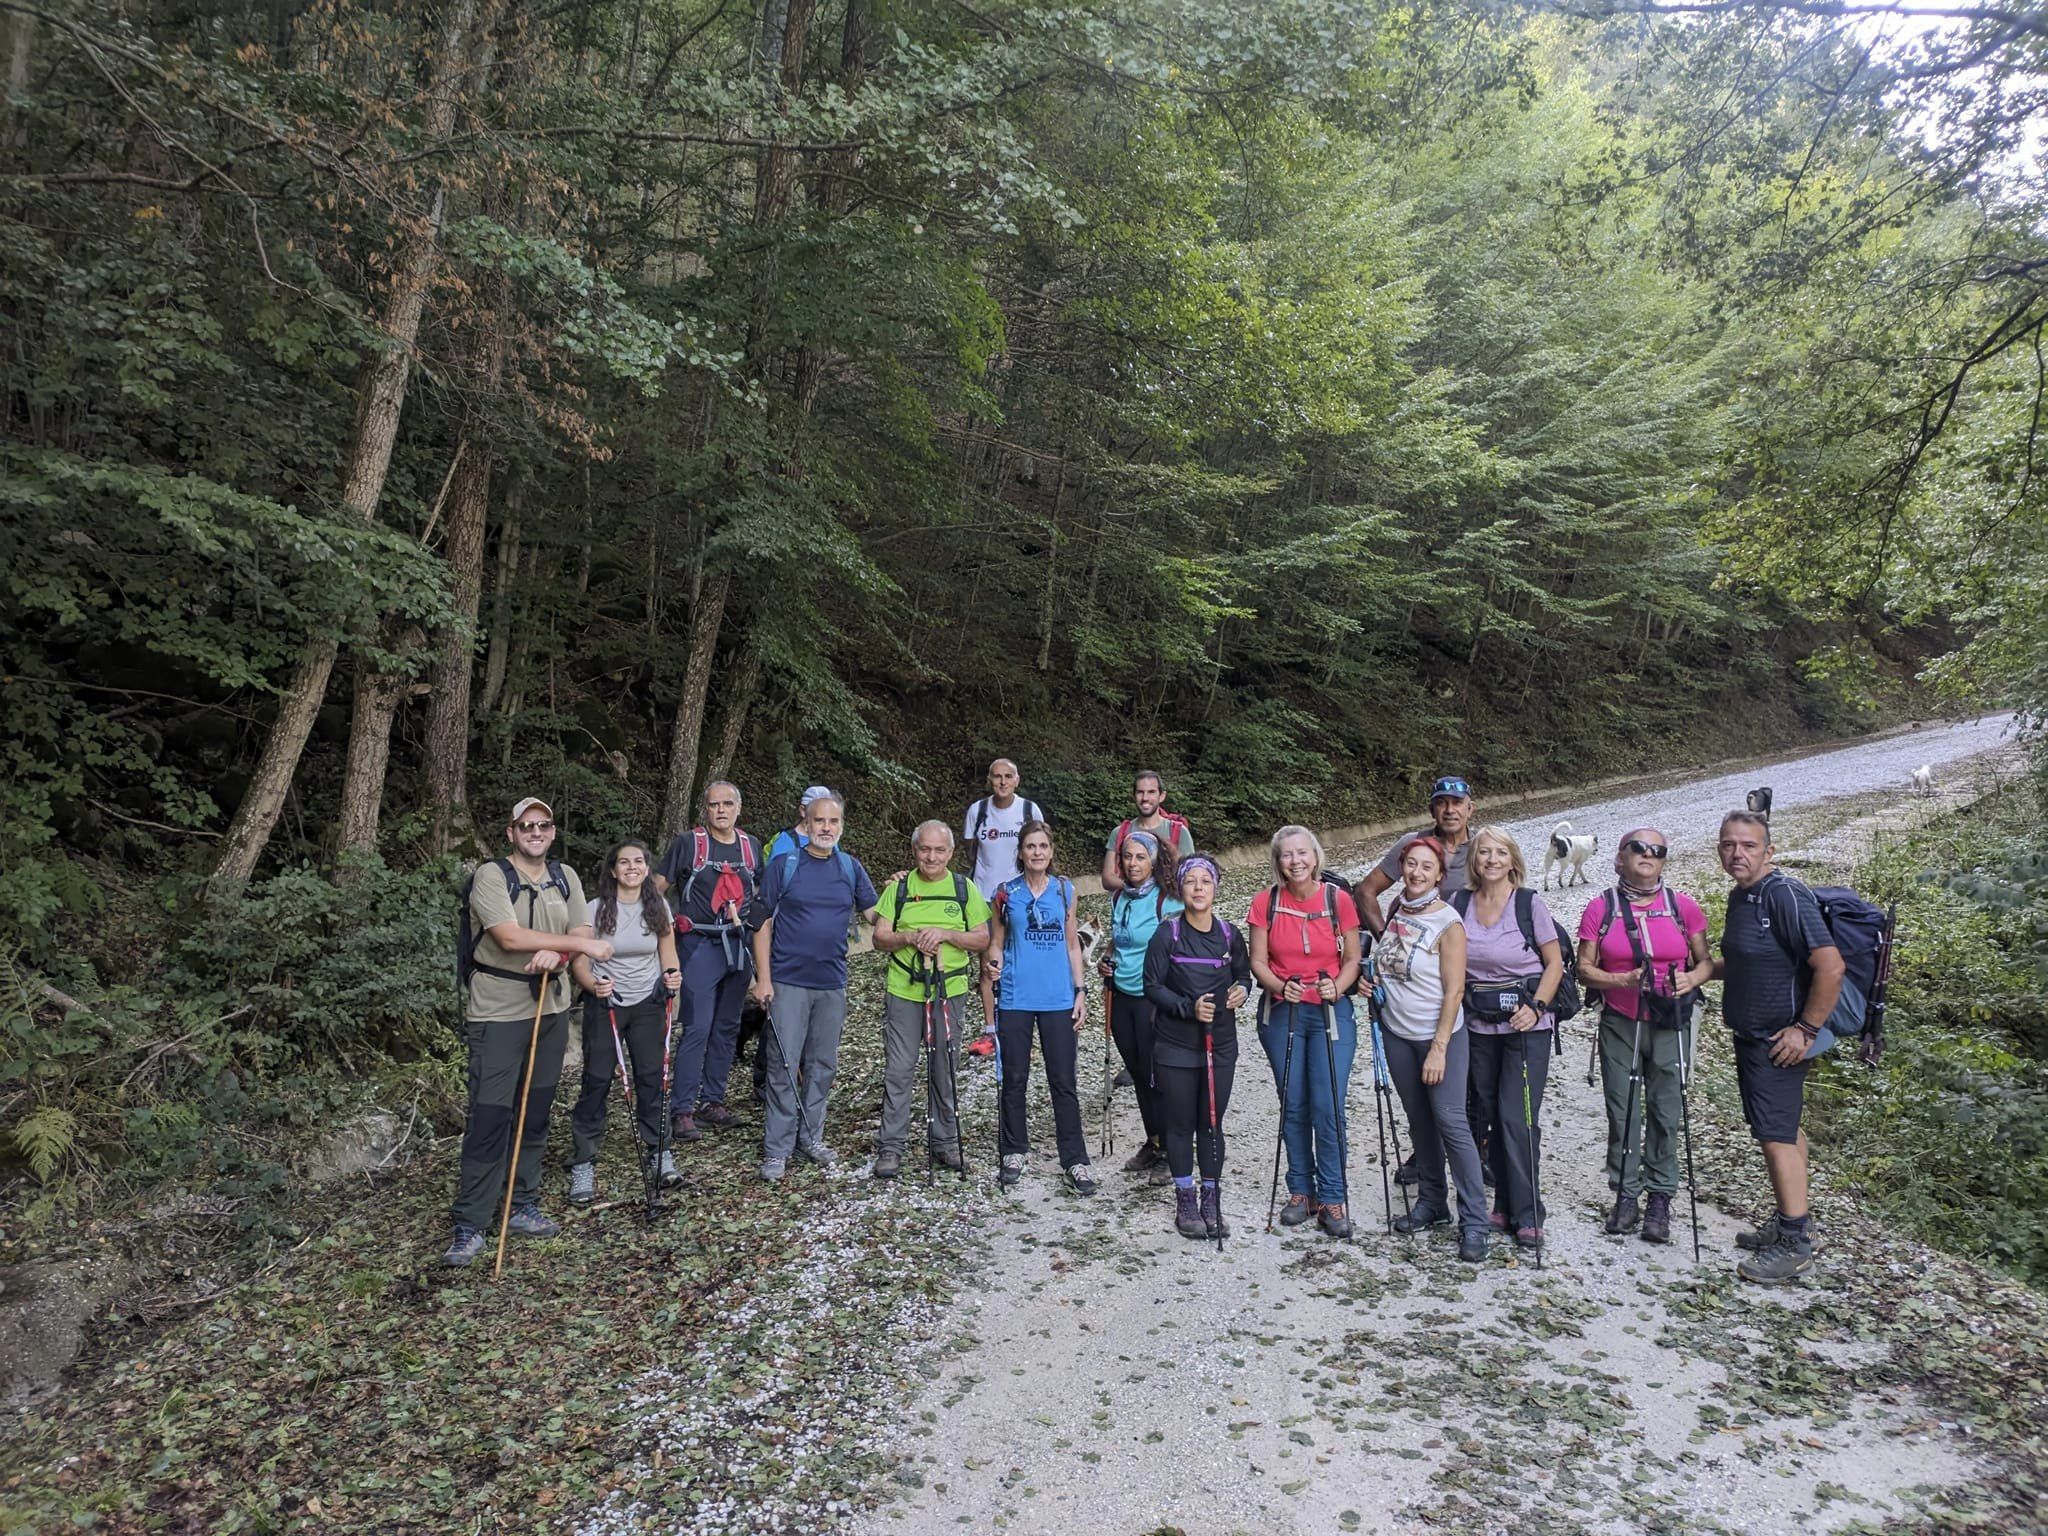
[1664,941]
[1302,943]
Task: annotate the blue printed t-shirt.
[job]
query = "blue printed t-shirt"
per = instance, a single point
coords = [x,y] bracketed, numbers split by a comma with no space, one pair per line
[932,904]
[1767,925]
[813,904]
[1038,975]
[1132,922]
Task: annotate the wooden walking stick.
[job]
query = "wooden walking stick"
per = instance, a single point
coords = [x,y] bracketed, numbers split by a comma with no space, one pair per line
[519,1124]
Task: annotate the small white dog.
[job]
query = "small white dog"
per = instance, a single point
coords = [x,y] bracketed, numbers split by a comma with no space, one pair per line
[1923,778]
[1567,852]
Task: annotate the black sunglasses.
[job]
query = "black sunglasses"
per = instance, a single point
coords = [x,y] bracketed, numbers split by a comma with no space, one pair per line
[536,826]
[1654,850]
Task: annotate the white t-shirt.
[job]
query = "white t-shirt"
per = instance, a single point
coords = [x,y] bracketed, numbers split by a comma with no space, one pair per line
[995,854]
[635,965]
[1409,962]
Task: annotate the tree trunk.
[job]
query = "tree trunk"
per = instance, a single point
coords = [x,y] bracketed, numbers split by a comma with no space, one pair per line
[377,698]
[739,700]
[381,401]
[447,736]
[501,601]
[682,753]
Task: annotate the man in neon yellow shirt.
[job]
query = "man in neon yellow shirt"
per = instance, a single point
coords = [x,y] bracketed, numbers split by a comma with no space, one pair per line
[928,923]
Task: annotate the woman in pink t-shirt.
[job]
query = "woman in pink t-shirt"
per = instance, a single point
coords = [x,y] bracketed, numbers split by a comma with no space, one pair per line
[1646,968]
[1305,956]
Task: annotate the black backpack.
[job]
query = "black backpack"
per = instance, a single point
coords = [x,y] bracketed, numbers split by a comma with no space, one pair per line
[468,940]
[1570,1001]
[1863,932]
[911,961]
[1031,813]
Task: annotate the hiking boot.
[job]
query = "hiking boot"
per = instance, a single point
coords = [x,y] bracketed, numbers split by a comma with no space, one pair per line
[469,1242]
[1187,1214]
[527,1221]
[1124,1079]
[888,1164]
[1299,1208]
[1498,1221]
[1784,1261]
[1471,1247]
[582,1183]
[1012,1169]
[1334,1220]
[1657,1219]
[1406,1174]
[817,1152]
[982,1045]
[773,1168]
[1160,1174]
[715,1115]
[1420,1219]
[1624,1216]
[666,1174]
[1146,1158]
[1766,1233]
[684,1128]
[1528,1237]
[1081,1178]
[948,1157]
[1212,1211]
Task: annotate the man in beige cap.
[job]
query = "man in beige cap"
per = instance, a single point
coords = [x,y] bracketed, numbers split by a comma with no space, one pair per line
[522,918]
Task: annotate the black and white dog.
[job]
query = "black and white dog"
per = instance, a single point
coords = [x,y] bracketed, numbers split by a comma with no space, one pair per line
[1759,801]
[1567,852]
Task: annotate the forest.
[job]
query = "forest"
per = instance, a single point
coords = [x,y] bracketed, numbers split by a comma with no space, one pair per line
[411,407]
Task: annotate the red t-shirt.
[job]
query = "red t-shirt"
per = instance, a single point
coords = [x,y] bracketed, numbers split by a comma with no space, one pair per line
[1302,943]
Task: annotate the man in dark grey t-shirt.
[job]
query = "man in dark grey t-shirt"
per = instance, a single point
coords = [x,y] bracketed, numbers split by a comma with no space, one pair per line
[1450,812]
[1781,975]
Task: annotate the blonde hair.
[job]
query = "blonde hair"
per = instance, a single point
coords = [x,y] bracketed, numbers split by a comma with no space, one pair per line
[1518,865]
[1313,841]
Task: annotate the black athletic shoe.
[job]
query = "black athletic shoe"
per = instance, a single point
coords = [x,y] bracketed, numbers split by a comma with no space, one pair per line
[1145,1159]
[1472,1247]
[1766,1233]
[1406,1174]
[1421,1218]
[1624,1216]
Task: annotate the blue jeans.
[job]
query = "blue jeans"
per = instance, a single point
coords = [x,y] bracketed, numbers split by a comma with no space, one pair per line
[1312,1108]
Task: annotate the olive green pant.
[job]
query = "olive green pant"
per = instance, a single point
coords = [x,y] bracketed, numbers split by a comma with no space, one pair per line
[1653,1116]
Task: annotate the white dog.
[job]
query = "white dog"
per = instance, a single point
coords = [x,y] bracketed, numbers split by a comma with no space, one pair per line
[1923,778]
[1567,851]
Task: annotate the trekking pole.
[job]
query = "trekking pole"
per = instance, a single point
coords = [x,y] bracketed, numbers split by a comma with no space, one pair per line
[1215,1130]
[952,1075]
[1108,1077]
[663,1132]
[998,1038]
[1286,1080]
[1529,1125]
[1383,1096]
[931,1153]
[519,1124]
[1629,1140]
[1337,1103]
[1692,1188]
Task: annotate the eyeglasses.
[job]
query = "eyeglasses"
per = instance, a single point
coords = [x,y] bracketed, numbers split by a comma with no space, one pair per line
[1444,787]
[1654,850]
[534,826]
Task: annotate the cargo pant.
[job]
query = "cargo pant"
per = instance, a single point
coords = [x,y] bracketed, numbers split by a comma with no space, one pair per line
[1647,1114]
[497,1061]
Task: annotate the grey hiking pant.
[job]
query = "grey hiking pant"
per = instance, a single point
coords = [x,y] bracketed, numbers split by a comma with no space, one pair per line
[1436,1121]
[497,1061]
[902,1042]
[801,1040]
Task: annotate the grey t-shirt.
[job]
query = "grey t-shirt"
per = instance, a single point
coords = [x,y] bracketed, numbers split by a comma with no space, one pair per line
[1454,876]
[1771,931]
[635,965]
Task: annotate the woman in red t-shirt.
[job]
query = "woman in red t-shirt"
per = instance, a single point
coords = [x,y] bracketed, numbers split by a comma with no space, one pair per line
[1305,957]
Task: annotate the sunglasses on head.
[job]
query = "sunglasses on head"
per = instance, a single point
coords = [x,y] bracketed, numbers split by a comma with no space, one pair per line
[1654,850]
[1455,787]
[536,826]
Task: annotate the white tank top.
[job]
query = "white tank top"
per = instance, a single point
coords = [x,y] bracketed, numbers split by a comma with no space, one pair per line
[1410,964]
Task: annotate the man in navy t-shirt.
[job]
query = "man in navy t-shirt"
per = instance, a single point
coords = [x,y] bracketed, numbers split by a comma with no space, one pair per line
[1782,974]
[807,904]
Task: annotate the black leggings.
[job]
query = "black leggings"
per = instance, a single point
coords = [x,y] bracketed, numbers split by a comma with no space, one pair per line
[1183,1101]
[1130,1021]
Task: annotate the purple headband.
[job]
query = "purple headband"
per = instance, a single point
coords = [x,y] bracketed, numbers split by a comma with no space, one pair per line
[1201,861]
[1139,835]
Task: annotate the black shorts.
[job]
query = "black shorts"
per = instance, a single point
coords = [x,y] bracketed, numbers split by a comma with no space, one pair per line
[1772,1096]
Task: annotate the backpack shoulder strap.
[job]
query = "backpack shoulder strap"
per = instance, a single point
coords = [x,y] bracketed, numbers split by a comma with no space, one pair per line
[1123,830]
[1461,902]
[512,877]
[980,816]
[700,849]
[1614,906]
[1525,918]
[749,854]
[960,894]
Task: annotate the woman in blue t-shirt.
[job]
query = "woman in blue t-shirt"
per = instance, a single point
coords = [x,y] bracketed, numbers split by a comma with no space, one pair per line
[1146,901]
[1034,963]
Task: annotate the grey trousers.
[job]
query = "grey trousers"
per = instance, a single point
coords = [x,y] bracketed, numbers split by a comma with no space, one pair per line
[1436,1121]
[902,1044]
[802,1043]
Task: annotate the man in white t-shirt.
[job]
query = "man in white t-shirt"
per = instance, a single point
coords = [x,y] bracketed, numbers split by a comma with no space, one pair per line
[990,833]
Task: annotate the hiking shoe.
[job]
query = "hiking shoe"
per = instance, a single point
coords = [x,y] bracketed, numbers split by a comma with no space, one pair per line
[1147,1157]
[469,1242]
[1471,1247]
[1764,1236]
[1624,1216]
[1081,1178]
[1528,1237]
[1420,1219]
[1012,1169]
[1498,1221]
[582,1183]
[1406,1174]
[817,1152]
[982,1045]
[1187,1214]
[666,1174]
[1657,1219]
[1124,1079]
[948,1158]
[1299,1208]
[888,1164]
[773,1168]
[1160,1174]
[1334,1220]
[527,1221]
[684,1128]
[715,1115]
[1784,1261]
[1212,1211]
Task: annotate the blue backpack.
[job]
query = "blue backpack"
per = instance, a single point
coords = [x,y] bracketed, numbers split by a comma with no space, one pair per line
[1863,932]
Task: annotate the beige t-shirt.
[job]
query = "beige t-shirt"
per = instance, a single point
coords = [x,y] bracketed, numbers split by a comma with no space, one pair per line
[542,907]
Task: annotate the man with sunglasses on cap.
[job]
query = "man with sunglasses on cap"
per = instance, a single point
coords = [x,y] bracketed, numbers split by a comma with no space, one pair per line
[526,917]
[1450,809]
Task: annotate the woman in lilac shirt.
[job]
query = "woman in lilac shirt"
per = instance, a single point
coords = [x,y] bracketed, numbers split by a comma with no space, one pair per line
[1513,968]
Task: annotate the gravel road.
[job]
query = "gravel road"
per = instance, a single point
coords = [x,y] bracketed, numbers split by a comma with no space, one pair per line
[1118,1379]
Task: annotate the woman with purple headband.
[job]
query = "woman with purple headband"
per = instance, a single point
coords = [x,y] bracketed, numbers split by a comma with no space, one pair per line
[1146,901]
[1197,975]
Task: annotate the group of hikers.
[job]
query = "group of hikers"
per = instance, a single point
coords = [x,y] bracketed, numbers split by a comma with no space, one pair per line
[1459,967]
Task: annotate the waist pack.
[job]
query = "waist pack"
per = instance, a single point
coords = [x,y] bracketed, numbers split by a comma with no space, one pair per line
[1570,1001]
[1495,1002]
